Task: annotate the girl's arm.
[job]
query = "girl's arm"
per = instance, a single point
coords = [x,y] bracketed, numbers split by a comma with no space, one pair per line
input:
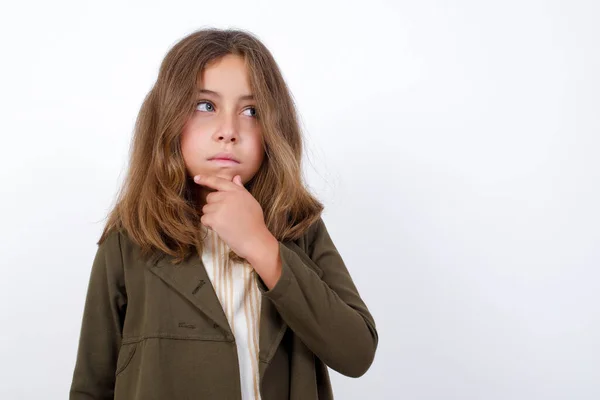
[327,313]
[100,337]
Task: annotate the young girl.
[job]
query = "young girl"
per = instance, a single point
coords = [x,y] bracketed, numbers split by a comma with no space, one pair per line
[215,276]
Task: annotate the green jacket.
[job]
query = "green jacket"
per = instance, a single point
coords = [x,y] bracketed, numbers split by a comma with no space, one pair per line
[151,330]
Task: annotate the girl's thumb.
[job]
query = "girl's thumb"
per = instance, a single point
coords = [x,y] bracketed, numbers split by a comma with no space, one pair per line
[238,180]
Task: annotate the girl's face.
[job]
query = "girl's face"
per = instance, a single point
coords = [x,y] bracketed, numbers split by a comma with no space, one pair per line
[224,124]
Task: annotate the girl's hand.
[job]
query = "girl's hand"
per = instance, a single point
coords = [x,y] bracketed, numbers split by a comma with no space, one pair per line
[235,215]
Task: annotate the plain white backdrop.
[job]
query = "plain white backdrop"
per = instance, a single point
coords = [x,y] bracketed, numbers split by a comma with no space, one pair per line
[455,146]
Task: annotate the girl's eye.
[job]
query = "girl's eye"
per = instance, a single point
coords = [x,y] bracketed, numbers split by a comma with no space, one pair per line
[205,106]
[252,111]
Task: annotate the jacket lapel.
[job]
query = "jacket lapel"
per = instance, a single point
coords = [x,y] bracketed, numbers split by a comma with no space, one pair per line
[272,329]
[186,279]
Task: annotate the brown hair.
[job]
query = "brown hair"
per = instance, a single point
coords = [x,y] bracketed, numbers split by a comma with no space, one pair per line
[156,206]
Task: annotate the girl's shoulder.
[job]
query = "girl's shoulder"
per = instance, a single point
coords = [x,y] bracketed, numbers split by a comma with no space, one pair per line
[119,246]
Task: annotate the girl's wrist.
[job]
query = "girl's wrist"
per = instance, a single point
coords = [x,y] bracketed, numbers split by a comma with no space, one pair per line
[266,260]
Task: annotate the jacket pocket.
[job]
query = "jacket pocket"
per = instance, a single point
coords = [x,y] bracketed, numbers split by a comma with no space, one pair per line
[126,353]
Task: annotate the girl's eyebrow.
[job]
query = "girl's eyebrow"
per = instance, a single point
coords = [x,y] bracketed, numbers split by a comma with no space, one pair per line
[216,94]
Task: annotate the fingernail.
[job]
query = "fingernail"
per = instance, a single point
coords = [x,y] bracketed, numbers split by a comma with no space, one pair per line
[197,178]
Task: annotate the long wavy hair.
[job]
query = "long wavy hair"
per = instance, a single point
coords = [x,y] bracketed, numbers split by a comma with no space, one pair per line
[157,205]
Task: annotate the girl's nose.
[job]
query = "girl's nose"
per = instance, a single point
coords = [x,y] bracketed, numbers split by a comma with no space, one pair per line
[228,130]
[227,137]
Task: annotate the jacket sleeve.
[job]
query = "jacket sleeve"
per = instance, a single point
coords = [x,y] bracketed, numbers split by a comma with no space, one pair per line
[101,327]
[326,313]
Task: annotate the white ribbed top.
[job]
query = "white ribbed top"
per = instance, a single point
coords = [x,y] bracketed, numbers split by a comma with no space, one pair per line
[236,287]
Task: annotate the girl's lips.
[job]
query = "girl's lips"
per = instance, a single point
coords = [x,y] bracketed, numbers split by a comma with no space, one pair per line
[224,155]
[224,161]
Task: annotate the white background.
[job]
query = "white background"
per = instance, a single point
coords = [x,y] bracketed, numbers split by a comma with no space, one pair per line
[455,146]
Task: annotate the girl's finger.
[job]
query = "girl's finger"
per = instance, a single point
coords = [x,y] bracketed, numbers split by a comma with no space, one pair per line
[215,197]
[205,220]
[209,208]
[215,182]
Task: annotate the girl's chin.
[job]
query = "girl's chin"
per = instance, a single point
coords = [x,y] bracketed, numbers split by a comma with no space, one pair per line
[225,174]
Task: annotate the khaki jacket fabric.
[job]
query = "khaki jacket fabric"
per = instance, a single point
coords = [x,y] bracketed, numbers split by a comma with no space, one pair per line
[156,331]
